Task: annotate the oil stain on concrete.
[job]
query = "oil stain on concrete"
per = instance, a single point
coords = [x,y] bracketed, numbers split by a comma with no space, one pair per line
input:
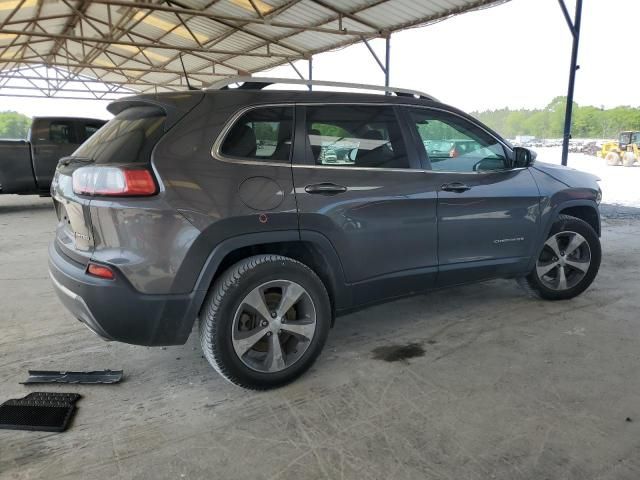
[398,353]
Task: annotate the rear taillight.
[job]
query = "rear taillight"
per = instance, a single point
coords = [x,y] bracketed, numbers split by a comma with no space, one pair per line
[113,181]
[100,271]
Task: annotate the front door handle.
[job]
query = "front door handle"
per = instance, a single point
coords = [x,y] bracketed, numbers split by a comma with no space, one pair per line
[455,187]
[325,189]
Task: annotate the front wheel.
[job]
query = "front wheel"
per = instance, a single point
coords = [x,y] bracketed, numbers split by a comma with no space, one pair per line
[265,321]
[568,263]
[613,159]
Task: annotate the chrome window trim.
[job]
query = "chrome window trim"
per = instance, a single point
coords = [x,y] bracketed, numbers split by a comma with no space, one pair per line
[366,169]
[217,155]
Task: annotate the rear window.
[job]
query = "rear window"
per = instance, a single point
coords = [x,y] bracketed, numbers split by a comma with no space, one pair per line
[129,137]
[61,132]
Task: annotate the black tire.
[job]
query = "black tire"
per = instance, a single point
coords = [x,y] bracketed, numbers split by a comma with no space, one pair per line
[223,301]
[535,286]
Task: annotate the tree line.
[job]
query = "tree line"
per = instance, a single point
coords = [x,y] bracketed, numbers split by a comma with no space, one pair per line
[588,121]
[14,125]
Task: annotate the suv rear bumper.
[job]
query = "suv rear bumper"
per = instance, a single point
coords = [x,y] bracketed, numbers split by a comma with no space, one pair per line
[114,310]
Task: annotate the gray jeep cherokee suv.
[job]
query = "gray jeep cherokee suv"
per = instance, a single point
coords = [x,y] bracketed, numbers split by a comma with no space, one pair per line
[266,214]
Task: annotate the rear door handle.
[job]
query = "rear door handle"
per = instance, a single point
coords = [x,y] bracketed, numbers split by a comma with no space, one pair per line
[455,187]
[325,189]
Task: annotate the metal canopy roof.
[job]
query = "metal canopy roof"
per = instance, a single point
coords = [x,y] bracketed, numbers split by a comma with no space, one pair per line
[137,46]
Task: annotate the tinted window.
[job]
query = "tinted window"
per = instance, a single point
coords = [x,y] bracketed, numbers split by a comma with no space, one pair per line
[128,137]
[261,134]
[61,132]
[355,136]
[455,145]
[90,130]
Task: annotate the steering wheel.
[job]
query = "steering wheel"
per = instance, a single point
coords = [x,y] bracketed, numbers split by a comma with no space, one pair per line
[489,164]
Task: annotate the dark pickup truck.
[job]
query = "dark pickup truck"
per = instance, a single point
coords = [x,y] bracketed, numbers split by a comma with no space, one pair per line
[27,166]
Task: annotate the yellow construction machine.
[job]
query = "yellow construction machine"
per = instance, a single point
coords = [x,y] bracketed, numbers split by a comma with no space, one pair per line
[626,151]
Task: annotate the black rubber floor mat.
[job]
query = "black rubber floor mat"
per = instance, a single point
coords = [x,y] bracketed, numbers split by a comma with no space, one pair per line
[50,399]
[100,376]
[41,411]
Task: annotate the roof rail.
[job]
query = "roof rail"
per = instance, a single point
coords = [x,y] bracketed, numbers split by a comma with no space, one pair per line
[258,83]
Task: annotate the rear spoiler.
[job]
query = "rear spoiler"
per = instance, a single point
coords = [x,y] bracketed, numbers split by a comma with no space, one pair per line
[174,105]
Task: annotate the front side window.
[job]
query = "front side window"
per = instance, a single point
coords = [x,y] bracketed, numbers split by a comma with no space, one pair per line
[262,134]
[455,145]
[355,136]
[61,132]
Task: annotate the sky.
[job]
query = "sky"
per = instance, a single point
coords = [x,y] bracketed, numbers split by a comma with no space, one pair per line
[514,55]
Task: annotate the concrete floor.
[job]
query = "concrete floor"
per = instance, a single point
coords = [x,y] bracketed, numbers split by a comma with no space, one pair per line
[508,387]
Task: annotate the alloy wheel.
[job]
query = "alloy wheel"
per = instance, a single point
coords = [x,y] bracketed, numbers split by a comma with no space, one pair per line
[274,326]
[564,261]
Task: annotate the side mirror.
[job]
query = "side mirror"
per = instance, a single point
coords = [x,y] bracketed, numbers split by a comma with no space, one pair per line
[523,157]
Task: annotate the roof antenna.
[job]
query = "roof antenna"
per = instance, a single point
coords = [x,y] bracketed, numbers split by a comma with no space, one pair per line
[186,77]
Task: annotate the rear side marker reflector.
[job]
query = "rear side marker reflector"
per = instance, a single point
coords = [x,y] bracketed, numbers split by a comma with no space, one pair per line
[100,271]
[113,181]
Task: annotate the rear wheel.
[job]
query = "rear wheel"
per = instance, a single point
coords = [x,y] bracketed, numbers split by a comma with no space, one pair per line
[265,321]
[568,263]
[628,159]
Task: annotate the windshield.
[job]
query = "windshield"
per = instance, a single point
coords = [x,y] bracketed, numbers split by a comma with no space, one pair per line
[625,137]
[127,138]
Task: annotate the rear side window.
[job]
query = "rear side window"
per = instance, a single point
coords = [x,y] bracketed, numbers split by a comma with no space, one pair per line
[129,137]
[262,134]
[355,136]
[61,132]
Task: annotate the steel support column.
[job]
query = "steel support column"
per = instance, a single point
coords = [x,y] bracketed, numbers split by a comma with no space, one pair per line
[387,58]
[299,73]
[574,28]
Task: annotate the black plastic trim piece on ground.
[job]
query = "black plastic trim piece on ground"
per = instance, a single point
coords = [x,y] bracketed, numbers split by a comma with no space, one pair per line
[39,411]
[47,376]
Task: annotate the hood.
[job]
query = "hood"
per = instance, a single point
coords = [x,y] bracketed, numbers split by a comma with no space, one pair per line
[569,176]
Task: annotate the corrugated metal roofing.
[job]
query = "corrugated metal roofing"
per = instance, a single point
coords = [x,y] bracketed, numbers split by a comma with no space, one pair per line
[137,45]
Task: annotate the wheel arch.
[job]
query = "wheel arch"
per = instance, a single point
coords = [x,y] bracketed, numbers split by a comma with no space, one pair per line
[586,211]
[310,248]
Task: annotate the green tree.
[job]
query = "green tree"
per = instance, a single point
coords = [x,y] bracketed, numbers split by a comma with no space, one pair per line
[548,122]
[14,125]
